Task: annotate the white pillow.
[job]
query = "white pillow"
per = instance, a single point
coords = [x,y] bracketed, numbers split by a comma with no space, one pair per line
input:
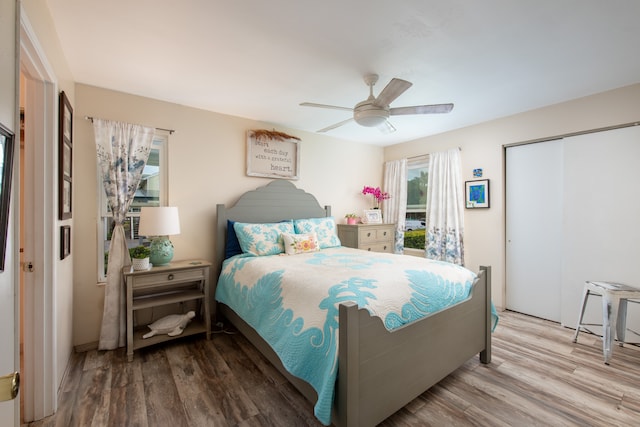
[325,228]
[300,243]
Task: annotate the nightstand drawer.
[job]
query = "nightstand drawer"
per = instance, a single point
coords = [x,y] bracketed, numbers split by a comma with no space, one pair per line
[167,278]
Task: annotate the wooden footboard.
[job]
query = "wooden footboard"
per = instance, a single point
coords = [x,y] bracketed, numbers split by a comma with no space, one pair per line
[380,371]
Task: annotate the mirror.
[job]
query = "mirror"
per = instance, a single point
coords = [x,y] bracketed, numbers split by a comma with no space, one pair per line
[6,170]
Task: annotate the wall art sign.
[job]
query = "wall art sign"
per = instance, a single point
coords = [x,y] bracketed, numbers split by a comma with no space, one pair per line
[477,194]
[65,157]
[272,154]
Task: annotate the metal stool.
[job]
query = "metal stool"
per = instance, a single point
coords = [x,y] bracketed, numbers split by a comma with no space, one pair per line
[614,312]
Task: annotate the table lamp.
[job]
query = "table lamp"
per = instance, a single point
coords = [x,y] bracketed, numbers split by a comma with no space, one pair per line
[158,223]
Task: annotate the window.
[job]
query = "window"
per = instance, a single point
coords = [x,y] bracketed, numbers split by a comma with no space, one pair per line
[415,220]
[152,191]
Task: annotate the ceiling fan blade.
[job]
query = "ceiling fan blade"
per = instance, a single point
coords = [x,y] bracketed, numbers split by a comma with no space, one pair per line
[422,109]
[394,89]
[386,127]
[331,107]
[328,128]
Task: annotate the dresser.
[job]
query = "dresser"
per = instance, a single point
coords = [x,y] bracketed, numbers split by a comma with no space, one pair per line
[370,237]
[177,283]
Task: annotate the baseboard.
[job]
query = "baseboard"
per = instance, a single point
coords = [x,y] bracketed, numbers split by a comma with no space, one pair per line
[82,348]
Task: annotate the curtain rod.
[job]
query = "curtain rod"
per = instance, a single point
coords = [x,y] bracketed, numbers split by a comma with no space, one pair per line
[425,155]
[171,131]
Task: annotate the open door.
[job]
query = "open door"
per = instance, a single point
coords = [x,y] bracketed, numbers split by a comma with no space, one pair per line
[9,358]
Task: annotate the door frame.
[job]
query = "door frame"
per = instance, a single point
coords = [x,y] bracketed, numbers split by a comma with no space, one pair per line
[40,381]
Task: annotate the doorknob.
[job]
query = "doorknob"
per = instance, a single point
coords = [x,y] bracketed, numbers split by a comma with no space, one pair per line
[9,386]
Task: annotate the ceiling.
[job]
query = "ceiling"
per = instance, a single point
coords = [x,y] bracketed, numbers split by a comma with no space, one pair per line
[260,59]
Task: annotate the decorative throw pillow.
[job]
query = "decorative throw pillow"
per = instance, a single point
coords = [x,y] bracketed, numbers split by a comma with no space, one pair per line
[300,243]
[262,239]
[233,245]
[325,229]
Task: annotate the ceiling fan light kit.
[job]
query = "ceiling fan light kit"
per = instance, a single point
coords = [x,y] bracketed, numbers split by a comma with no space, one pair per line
[375,112]
[368,114]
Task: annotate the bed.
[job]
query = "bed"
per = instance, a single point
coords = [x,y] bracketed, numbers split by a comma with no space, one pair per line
[379,371]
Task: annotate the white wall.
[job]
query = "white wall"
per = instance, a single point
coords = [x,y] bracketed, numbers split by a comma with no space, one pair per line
[482,147]
[207,165]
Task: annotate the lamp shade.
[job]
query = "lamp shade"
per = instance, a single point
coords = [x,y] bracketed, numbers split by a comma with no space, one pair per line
[159,221]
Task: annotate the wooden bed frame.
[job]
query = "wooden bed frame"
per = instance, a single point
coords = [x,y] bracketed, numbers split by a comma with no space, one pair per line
[379,371]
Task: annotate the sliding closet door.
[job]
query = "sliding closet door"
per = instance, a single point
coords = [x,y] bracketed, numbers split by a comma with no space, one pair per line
[534,187]
[602,218]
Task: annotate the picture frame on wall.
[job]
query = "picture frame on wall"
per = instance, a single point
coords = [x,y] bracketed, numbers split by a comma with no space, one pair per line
[372,216]
[65,158]
[7,142]
[477,194]
[65,241]
[272,154]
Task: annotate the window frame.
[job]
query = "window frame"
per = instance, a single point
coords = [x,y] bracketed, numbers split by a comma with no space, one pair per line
[419,162]
[159,142]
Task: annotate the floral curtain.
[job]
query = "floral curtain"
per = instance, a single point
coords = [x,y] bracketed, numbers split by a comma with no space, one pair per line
[395,208]
[123,150]
[445,208]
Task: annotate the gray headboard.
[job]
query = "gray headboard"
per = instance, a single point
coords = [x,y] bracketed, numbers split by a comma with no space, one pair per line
[276,201]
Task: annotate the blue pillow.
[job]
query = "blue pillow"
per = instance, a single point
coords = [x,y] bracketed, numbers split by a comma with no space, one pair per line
[233,245]
[325,229]
[262,239]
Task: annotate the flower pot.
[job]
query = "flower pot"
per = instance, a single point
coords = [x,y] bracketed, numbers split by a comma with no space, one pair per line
[140,264]
[352,221]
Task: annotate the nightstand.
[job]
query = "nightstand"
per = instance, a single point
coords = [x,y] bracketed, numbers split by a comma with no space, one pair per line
[370,237]
[177,282]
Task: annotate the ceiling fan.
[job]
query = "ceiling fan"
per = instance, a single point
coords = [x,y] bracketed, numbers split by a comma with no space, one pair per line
[376,111]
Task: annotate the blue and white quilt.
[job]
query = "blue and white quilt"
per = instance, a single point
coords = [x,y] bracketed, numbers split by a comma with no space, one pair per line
[292,302]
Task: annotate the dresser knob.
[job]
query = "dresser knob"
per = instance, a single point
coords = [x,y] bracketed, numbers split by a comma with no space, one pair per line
[170,277]
[369,234]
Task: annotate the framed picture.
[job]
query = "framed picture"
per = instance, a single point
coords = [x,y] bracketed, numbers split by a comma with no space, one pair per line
[65,241]
[477,194]
[272,154]
[372,216]
[6,172]
[65,157]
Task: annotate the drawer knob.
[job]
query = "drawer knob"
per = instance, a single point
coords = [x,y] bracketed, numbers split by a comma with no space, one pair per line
[170,277]
[369,234]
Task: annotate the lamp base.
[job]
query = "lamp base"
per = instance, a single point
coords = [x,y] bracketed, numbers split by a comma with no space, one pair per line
[161,251]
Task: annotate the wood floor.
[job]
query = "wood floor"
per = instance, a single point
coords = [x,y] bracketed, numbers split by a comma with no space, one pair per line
[538,377]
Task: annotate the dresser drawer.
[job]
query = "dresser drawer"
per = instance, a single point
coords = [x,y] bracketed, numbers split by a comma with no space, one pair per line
[166,278]
[370,235]
[378,247]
